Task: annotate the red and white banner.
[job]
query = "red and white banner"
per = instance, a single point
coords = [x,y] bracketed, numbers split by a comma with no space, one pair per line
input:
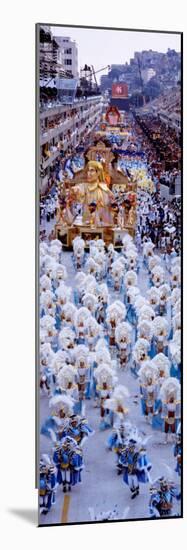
[119,90]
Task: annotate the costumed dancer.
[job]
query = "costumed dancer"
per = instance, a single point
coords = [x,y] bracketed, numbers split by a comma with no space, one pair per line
[106,381]
[82,362]
[47,323]
[102,304]
[177,451]
[102,355]
[93,332]
[136,465]
[154,298]
[116,312]
[175,354]
[162,363]
[117,275]
[161,331]
[66,341]
[163,491]
[158,276]
[132,294]
[47,484]
[80,278]
[145,331]
[68,457]
[56,425]
[66,383]
[139,355]
[79,429]
[63,294]
[170,393]
[130,280]
[46,371]
[68,315]
[78,251]
[148,378]
[90,302]
[123,338]
[81,317]
[164,298]
[117,404]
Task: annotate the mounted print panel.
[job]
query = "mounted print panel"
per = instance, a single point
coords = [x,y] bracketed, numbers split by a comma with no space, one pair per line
[109,231]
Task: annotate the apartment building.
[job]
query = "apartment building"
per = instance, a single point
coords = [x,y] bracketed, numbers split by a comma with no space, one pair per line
[69,53]
[63,126]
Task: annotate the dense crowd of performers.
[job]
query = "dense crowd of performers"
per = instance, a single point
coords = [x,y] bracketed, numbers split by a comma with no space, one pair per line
[92,332]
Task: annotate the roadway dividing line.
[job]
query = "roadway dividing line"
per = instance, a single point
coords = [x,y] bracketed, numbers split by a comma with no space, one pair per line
[65,509]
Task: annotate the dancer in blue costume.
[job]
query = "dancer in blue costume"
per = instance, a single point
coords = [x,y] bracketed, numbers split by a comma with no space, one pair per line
[136,466]
[163,493]
[68,458]
[56,425]
[177,451]
[47,484]
[79,429]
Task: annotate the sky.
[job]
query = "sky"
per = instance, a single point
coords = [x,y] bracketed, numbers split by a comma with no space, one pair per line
[99,47]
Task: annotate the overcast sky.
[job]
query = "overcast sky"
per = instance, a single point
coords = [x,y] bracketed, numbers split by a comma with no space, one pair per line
[106,47]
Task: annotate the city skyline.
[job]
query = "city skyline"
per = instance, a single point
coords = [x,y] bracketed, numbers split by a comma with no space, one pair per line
[119,46]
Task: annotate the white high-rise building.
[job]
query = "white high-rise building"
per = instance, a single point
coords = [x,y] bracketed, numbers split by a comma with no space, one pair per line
[69,53]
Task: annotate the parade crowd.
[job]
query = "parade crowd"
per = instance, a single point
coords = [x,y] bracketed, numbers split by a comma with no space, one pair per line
[103,326]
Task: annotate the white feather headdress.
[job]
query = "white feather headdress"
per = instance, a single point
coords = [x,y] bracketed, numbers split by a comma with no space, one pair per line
[153,296]
[46,298]
[164,293]
[176,322]
[63,293]
[81,316]
[45,283]
[57,243]
[91,266]
[82,354]
[103,293]
[93,327]
[153,261]
[130,278]
[146,313]
[47,322]
[140,350]
[123,332]
[78,245]
[66,338]
[66,375]
[148,249]
[117,402]
[170,388]
[60,272]
[60,359]
[133,292]
[139,303]
[145,329]
[116,311]
[158,275]
[69,312]
[104,374]
[148,371]
[90,301]
[80,278]
[160,326]
[62,402]
[162,363]
[175,296]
